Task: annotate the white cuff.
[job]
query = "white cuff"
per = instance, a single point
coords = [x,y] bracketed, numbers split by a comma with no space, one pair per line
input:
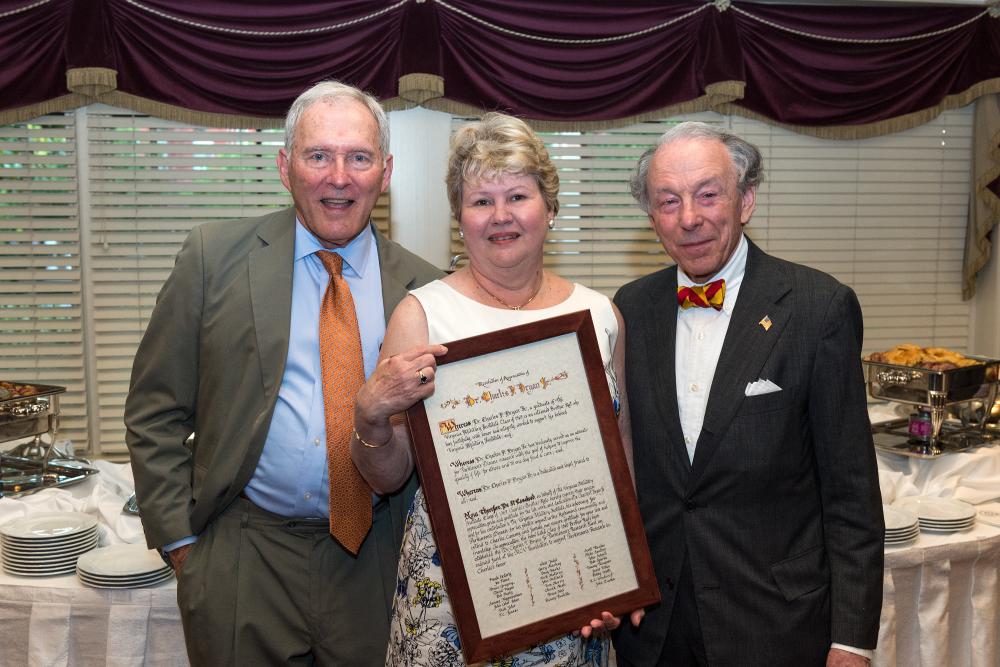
[863,652]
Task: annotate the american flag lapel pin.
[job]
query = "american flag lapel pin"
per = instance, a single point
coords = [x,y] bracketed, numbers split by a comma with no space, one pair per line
[765,322]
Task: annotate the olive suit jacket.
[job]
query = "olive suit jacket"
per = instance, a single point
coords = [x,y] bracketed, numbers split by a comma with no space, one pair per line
[211,363]
[779,513]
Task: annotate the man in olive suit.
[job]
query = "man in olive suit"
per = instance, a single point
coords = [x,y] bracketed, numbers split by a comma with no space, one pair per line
[232,355]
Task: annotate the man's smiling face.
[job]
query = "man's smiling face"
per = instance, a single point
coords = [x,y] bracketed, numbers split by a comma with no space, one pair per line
[335,169]
[695,205]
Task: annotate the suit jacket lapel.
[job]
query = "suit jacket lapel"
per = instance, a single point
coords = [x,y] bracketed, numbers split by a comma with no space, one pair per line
[663,350]
[396,279]
[271,268]
[746,348]
[271,294]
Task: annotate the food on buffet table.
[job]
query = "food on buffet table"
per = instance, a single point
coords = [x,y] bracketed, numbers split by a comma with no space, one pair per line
[931,358]
[15,390]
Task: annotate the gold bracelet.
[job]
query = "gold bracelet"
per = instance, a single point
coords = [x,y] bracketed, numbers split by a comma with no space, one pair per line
[368,444]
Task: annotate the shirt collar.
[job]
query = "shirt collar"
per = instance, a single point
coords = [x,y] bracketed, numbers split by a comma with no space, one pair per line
[355,253]
[732,273]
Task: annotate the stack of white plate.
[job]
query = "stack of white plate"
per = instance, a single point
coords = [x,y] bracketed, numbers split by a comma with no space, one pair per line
[939,515]
[46,545]
[122,566]
[901,525]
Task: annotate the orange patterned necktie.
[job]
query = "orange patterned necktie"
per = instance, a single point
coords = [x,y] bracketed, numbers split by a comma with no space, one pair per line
[343,374]
[710,295]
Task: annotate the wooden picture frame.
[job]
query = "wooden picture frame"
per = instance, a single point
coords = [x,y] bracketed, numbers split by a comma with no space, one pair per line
[528,488]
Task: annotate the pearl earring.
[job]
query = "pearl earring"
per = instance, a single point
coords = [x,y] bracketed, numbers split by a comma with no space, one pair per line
[461,234]
[552,223]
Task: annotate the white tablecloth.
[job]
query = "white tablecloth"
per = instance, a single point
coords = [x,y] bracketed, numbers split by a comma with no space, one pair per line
[57,621]
[941,602]
[941,595]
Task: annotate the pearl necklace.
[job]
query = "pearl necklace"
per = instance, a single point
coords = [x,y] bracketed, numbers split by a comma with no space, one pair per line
[501,301]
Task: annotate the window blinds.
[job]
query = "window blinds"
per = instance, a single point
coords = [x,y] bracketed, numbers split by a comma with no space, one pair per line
[41,333]
[151,181]
[884,215]
[131,187]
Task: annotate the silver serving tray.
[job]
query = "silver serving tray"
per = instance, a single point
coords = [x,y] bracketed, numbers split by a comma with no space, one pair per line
[914,385]
[892,437]
[21,476]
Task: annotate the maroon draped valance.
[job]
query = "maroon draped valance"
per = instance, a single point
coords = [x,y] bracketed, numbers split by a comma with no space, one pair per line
[833,71]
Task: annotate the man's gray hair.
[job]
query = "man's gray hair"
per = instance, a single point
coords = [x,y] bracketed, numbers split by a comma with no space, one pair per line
[746,157]
[329,91]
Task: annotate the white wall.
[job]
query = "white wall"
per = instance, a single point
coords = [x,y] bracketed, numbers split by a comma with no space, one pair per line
[420,213]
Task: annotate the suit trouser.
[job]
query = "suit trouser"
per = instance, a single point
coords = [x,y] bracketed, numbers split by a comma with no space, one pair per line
[261,589]
[684,645]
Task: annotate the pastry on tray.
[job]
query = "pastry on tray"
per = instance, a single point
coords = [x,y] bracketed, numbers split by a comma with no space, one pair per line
[15,390]
[931,358]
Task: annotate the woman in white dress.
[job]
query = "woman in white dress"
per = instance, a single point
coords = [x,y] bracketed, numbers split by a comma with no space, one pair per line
[503,191]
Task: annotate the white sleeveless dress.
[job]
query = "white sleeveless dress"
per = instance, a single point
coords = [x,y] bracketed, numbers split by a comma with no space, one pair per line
[423,631]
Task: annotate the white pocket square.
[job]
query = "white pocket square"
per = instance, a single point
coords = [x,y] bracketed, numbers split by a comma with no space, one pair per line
[761,387]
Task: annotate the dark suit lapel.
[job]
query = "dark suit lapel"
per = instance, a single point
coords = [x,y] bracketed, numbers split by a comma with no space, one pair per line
[271,294]
[661,356]
[746,348]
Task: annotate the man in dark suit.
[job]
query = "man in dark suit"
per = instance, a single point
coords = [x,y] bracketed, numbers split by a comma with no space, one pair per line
[232,355]
[754,462]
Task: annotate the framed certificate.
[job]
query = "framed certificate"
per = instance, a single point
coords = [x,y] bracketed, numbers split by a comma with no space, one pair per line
[528,488]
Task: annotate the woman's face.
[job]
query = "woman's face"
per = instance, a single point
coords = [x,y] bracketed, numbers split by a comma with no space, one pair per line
[504,221]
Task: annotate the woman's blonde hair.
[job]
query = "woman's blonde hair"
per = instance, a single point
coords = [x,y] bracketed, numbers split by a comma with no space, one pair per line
[495,145]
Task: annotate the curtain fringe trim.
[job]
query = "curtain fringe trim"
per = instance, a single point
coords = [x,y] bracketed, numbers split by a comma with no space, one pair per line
[716,93]
[720,97]
[55,105]
[182,115]
[419,87]
[91,81]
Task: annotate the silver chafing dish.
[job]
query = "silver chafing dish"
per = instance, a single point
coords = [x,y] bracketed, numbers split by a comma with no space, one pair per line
[29,411]
[935,395]
[24,414]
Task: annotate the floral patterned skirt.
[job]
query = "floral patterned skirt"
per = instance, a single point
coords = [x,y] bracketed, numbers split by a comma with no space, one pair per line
[423,632]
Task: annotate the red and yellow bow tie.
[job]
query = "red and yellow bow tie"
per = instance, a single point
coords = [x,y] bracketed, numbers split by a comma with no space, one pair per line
[710,295]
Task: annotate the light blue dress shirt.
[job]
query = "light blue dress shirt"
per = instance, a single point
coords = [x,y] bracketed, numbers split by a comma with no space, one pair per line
[291,477]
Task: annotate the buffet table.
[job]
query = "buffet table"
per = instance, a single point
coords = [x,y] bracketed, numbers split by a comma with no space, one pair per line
[941,593]
[941,601]
[57,621]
